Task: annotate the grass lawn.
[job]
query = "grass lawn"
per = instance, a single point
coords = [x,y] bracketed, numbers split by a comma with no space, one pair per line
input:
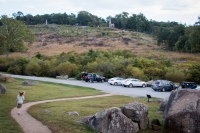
[58,120]
[41,91]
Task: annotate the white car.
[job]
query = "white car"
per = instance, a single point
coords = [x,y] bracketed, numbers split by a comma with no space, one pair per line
[125,80]
[134,82]
[115,81]
[198,88]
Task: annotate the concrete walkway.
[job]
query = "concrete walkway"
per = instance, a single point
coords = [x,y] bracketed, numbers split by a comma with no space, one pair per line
[30,124]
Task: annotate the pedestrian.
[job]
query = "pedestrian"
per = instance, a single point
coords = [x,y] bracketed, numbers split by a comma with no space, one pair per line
[20,100]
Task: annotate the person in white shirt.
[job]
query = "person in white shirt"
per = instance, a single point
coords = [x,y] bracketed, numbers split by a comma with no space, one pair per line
[20,100]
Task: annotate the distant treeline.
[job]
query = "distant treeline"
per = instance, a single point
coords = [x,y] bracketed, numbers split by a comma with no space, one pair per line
[171,35]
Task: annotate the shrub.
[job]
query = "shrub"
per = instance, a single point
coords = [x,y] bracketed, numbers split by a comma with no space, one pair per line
[5,63]
[18,66]
[6,79]
[66,68]
[14,69]
[38,55]
[194,73]
[175,76]
[33,68]
[154,72]
[137,73]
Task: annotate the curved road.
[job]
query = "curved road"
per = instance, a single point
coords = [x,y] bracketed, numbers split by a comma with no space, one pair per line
[105,87]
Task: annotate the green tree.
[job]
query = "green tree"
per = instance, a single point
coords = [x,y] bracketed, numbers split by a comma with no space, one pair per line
[13,34]
[194,73]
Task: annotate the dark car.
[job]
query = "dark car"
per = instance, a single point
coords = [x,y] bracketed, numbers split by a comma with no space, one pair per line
[187,85]
[163,85]
[91,77]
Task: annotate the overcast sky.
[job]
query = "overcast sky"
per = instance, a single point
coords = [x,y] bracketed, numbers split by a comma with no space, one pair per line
[181,11]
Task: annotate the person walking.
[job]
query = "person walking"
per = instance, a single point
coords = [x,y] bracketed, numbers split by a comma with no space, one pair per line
[20,100]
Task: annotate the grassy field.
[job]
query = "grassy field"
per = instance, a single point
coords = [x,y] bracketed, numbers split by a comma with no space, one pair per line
[58,120]
[41,91]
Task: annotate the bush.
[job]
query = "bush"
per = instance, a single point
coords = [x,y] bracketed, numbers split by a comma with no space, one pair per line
[194,73]
[5,63]
[6,79]
[18,66]
[14,69]
[33,68]
[175,76]
[66,68]
[155,73]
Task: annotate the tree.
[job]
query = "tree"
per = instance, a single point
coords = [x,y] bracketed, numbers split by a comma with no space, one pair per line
[13,34]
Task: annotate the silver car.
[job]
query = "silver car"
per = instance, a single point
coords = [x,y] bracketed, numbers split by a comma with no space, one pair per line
[134,82]
[115,81]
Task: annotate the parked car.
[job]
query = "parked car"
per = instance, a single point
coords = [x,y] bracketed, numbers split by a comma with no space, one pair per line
[116,81]
[149,83]
[163,85]
[187,85]
[198,88]
[125,80]
[134,82]
[91,77]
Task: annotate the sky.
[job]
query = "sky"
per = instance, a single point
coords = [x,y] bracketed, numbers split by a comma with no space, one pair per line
[181,11]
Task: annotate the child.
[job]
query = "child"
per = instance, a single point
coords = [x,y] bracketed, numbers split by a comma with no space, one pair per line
[20,99]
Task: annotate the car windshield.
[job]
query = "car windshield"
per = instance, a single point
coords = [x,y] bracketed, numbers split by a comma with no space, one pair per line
[89,75]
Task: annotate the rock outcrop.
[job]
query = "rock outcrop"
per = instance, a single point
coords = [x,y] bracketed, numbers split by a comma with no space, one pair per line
[138,113]
[112,120]
[182,113]
[163,105]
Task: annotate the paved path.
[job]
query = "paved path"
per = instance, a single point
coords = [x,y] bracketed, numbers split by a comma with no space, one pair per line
[30,124]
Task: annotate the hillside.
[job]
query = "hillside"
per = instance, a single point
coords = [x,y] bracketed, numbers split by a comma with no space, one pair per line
[55,39]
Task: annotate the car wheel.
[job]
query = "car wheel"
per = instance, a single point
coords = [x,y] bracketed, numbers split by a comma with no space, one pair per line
[115,83]
[163,89]
[102,80]
[143,85]
[130,85]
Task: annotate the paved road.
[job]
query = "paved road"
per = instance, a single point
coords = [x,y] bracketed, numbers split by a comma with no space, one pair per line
[105,87]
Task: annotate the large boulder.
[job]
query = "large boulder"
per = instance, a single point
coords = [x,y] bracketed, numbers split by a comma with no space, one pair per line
[138,113]
[182,113]
[169,103]
[29,83]
[163,105]
[112,120]
[2,89]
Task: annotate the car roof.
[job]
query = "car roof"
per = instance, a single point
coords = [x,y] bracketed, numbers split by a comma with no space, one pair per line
[187,82]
